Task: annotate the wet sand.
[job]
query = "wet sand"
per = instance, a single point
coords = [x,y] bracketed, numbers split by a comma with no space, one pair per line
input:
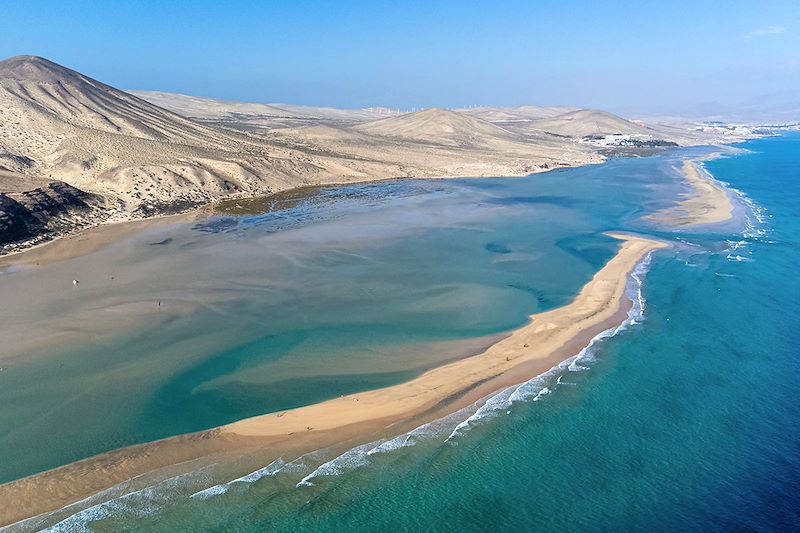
[88,240]
[549,338]
[708,203]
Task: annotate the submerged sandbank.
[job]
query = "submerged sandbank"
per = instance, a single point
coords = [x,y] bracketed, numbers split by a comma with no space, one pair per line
[708,203]
[549,338]
[598,300]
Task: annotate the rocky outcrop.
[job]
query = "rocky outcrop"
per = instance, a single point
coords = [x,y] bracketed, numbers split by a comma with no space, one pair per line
[45,212]
[15,221]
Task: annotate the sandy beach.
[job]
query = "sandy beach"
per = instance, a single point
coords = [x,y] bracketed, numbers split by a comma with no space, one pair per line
[88,240]
[599,300]
[549,338]
[275,266]
[708,203]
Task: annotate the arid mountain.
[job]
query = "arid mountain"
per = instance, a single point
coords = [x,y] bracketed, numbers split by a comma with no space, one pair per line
[541,123]
[239,115]
[58,124]
[516,114]
[47,90]
[585,122]
[535,124]
[106,154]
[438,126]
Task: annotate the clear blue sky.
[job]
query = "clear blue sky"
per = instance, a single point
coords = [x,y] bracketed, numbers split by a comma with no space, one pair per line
[642,55]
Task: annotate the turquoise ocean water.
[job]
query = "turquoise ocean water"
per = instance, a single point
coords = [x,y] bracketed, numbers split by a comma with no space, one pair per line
[686,419]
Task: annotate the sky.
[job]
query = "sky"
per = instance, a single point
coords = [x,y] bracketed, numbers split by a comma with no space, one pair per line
[643,57]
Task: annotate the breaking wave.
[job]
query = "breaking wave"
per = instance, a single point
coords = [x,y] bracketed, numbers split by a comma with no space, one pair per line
[536,388]
[310,467]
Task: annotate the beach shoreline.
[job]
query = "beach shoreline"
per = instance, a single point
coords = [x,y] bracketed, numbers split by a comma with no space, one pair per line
[548,339]
[88,239]
[707,203]
[18,252]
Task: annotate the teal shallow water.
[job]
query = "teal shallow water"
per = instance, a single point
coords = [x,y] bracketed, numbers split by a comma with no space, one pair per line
[684,421]
[360,288]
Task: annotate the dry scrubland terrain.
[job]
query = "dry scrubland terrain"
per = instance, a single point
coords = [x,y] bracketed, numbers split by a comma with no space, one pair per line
[76,152]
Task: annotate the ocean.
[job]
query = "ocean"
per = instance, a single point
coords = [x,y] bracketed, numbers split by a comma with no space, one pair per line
[686,418]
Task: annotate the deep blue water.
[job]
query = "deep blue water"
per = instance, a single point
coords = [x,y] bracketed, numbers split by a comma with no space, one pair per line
[688,420]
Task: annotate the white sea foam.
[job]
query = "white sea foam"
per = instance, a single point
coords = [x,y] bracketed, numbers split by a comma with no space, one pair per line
[531,390]
[349,460]
[408,439]
[116,499]
[214,490]
[755,216]
[755,229]
[494,403]
[151,499]
[735,245]
[687,243]
[536,388]
[136,504]
[633,290]
[363,455]
[545,391]
[270,470]
[560,381]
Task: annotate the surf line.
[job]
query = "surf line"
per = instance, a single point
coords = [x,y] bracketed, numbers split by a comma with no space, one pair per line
[549,338]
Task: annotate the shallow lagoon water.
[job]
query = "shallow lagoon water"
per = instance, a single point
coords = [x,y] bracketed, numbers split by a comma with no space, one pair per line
[685,421]
[414,270]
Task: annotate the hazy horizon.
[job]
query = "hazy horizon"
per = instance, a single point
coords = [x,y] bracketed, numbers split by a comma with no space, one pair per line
[629,58]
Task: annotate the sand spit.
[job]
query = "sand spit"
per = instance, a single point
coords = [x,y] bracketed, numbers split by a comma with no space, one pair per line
[598,300]
[708,203]
[550,337]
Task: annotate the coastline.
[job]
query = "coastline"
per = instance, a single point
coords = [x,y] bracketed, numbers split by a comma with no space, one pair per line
[597,301]
[549,338]
[687,212]
[87,240]
[707,199]
[707,203]
[21,249]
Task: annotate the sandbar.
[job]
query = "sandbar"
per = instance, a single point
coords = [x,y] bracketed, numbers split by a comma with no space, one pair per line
[549,338]
[708,203]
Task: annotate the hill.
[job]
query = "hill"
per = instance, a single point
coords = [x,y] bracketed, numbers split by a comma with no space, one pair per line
[500,115]
[438,126]
[240,115]
[58,124]
[75,151]
[585,122]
